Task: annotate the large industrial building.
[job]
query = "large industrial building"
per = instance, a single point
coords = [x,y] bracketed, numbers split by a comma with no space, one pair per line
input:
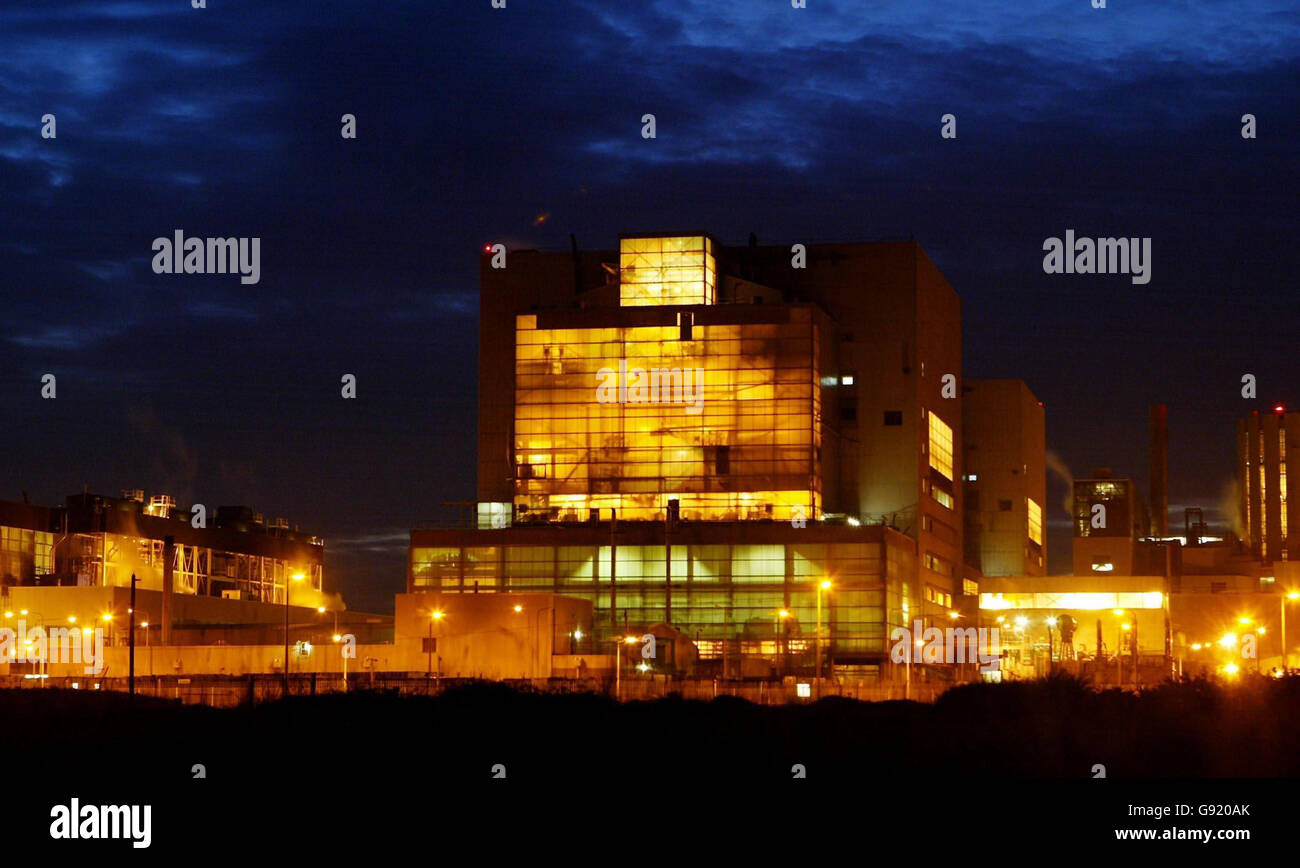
[1265,514]
[726,440]
[1005,482]
[224,581]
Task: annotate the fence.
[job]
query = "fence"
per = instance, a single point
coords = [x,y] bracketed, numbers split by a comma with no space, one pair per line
[230,691]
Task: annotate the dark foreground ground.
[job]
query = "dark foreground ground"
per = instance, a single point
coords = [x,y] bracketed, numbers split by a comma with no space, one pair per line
[306,757]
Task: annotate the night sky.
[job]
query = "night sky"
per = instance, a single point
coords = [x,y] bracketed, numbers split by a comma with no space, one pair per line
[522,125]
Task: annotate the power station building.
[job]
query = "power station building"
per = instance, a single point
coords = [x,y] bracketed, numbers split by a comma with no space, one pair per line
[725,440]
[224,582]
[1265,512]
[1005,482]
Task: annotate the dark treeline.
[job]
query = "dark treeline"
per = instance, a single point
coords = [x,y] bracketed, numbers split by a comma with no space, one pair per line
[1054,728]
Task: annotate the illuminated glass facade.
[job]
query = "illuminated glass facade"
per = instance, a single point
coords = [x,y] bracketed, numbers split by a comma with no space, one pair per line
[1035,522]
[661,271]
[24,554]
[725,418]
[941,446]
[720,592]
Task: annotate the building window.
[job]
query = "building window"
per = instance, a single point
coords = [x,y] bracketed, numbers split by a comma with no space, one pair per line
[940,446]
[1004,506]
[1035,522]
[720,458]
[893,417]
[848,410]
[936,563]
[941,496]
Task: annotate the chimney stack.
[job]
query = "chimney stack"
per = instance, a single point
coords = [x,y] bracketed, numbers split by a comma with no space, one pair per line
[1160,470]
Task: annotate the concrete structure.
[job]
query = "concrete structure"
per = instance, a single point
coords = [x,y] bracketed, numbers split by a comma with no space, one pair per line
[1005,482]
[519,636]
[1110,517]
[820,441]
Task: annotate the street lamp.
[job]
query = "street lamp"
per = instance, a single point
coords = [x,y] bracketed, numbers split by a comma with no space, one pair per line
[434,616]
[297,577]
[1051,624]
[781,615]
[824,585]
[618,667]
[1286,657]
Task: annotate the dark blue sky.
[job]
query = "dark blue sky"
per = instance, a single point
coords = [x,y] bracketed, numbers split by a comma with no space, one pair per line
[818,124]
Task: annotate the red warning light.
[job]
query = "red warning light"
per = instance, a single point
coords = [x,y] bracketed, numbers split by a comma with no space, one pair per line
[1279,409]
[487,248]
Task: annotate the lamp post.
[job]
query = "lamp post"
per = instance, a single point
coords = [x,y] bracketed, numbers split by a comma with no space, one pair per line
[781,615]
[1119,645]
[337,639]
[297,577]
[1119,657]
[1286,657]
[618,668]
[1051,623]
[824,585]
[434,616]
[40,617]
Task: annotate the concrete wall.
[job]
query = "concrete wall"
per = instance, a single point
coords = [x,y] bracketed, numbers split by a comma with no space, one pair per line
[488,635]
[234,660]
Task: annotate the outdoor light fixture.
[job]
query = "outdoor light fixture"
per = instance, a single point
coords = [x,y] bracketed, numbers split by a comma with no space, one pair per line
[518,608]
